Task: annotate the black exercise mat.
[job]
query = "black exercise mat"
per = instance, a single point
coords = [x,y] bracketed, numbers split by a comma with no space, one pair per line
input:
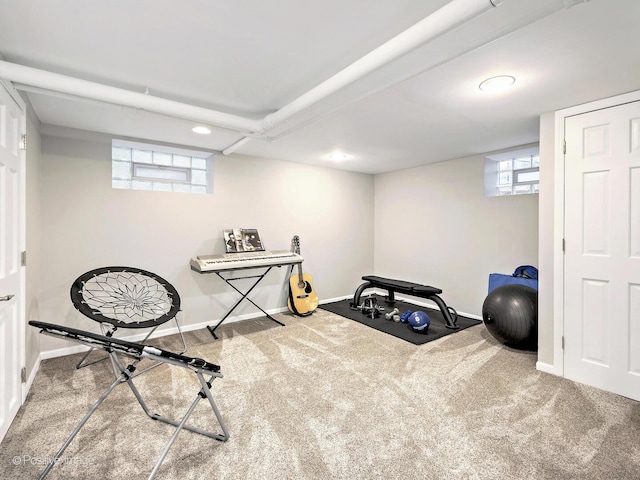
[401,330]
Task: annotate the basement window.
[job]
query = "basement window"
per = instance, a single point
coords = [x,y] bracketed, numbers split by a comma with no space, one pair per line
[515,172]
[139,166]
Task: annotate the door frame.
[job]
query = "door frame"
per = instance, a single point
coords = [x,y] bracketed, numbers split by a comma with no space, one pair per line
[559,215]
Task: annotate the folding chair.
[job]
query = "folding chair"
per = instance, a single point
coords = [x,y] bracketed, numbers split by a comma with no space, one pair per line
[137,352]
[125,297]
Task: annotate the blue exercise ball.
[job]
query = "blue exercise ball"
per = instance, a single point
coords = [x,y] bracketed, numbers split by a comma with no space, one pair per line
[419,321]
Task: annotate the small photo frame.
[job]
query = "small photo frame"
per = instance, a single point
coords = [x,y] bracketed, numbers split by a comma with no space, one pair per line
[251,240]
[242,240]
[231,240]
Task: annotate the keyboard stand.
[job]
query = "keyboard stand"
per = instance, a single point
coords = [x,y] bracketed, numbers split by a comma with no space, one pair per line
[228,280]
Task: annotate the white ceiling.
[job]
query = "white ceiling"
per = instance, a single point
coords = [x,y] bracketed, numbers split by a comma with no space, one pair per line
[251,58]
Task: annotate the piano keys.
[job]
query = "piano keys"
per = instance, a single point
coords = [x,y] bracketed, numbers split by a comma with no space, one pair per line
[244,260]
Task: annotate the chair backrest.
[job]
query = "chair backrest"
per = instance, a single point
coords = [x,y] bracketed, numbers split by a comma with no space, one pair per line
[125,297]
[131,349]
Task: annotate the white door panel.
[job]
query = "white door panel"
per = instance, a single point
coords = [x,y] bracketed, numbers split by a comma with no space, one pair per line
[602,259]
[11,271]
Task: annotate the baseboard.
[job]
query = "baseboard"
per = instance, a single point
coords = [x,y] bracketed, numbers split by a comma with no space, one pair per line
[32,376]
[435,307]
[377,291]
[61,352]
[336,299]
[546,368]
[73,349]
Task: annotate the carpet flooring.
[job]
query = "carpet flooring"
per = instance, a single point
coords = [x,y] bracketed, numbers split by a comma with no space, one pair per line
[325,397]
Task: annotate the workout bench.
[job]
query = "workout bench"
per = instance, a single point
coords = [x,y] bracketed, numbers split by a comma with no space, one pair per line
[408,288]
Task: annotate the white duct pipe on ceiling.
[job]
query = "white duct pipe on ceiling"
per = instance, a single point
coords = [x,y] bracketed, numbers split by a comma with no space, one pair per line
[119,96]
[235,146]
[439,22]
[446,18]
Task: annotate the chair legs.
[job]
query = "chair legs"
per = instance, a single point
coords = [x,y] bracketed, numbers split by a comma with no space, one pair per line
[126,376]
[108,330]
[69,439]
[221,437]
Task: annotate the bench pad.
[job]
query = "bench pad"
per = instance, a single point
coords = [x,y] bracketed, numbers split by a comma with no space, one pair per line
[409,288]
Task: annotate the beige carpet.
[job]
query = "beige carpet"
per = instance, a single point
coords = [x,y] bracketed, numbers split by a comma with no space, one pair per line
[326,397]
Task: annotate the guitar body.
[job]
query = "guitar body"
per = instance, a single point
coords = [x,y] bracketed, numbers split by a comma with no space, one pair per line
[303,299]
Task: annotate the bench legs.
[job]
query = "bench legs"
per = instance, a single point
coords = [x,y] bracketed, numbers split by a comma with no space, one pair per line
[449,314]
[356,296]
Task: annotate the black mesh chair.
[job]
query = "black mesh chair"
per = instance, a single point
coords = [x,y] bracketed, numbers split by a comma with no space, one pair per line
[125,297]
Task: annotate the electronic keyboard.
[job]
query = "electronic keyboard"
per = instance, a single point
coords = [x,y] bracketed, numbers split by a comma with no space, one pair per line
[242,260]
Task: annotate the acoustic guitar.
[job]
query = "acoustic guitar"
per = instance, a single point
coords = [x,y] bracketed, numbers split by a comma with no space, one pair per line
[303,299]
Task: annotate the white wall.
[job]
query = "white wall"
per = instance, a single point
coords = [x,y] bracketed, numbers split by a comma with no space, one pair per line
[33,238]
[87,224]
[546,242]
[433,225]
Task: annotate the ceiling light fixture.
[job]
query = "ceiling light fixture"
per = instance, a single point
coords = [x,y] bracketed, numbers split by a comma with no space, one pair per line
[201,130]
[338,156]
[497,84]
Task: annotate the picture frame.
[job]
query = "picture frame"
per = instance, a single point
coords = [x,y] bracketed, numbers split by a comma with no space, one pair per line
[242,240]
[231,240]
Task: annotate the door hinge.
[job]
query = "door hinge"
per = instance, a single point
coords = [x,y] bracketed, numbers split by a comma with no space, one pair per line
[23,375]
[564,246]
[23,142]
[564,147]
[563,343]
[23,258]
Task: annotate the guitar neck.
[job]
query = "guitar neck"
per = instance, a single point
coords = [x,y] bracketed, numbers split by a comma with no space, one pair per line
[295,247]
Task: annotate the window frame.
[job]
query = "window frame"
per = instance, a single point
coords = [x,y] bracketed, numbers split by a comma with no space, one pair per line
[135,176]
[503,164]
[196,167]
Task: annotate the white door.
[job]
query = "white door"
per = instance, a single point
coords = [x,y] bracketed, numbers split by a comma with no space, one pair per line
[12,125]
[602,257]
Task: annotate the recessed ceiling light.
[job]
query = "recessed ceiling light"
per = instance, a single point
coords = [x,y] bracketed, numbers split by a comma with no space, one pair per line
[498,83]
[338,156]
[201,130]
